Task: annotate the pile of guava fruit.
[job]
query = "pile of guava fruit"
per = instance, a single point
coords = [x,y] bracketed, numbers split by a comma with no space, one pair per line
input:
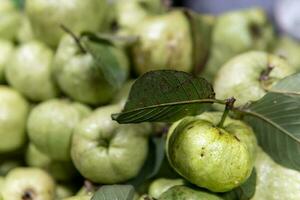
[67,65]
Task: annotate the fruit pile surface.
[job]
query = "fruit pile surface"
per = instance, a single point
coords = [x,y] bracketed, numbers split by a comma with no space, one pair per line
[138,100]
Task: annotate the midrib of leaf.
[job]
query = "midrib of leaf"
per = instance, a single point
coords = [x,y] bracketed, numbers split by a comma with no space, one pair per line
[255,114]
[114,116]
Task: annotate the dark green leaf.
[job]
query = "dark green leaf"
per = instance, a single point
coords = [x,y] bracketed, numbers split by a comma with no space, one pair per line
[107,62]
[201,27]
[276,122]
[166,96]
[114,192]
[244,192]
[153,162]
[19,3]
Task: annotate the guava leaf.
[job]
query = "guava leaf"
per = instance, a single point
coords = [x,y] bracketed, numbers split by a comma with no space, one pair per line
[114,192]
[19,3]
[201,27]
[153,161]
[276,121]
[245,191]
[166,96]
[106,62]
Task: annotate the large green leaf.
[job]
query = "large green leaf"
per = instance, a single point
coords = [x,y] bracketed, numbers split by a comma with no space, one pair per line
[276,122]
[166,96]
[114,192]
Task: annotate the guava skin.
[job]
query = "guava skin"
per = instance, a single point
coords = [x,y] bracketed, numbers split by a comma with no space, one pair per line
[47,16]
[218,159]
[28,182]
[63,191]
[160,44]
[29,71]
[289,49]
[10,19]
[6,49]
[161,185]
[275,182]
[186,193]
[240,76]
[130,14]
[60,170]
[14,111]
[104,151]
[237,32]
[25,32]
[50,127]
[76,75]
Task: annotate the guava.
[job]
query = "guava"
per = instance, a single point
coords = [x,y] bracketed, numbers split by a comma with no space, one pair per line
[77,75]
[47,16]
[14,112]
[29,71]
[51,124]
[245,77]
[209,156]
[28,183]
[120,150]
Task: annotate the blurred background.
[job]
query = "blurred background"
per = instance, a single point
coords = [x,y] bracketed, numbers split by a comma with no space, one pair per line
[284,13]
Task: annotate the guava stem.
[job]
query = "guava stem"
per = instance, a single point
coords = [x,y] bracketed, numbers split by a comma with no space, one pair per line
[266,73]
[228,106]
[76,39]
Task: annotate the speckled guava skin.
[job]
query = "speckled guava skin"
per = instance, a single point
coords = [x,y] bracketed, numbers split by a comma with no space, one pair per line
[106,152]
[218,159]
[14,111]
[77,76]
[47,16]
[33,181]
[29,71]
[240,76]
[186,193]
[50,126]
[161,41]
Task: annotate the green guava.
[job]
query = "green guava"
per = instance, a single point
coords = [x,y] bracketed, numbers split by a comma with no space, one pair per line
[51,124]
[100,141]
[29,71]
[14,111]
[218,159]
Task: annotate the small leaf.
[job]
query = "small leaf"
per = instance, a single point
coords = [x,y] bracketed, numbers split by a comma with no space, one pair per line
[276,121]
[244,192]
[106,62]
[114,192]
[153,162]
[166,96]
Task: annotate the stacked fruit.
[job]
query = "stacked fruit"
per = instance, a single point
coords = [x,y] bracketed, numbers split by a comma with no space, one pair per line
[67,65]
